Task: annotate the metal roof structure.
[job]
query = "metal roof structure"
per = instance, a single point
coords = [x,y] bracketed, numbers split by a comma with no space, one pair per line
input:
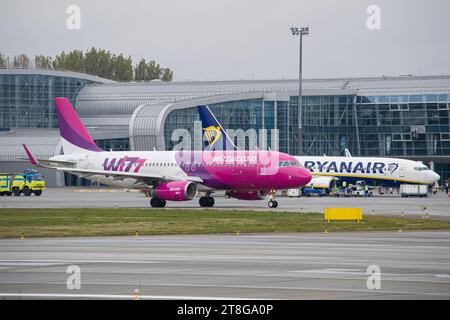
[142,107]
[55,73]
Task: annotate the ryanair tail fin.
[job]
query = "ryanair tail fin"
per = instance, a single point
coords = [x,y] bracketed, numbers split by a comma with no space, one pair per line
[75,137]
[216,136]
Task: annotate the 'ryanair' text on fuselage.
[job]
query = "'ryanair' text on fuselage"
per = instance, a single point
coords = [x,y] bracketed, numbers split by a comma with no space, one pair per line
[344,167]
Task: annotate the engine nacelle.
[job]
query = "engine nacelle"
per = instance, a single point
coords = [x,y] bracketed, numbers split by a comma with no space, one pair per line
[322,183]
[248,195]
[175,191]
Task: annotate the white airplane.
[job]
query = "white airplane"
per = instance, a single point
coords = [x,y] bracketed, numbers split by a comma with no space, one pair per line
[327,171]
[173,175]
[387,172]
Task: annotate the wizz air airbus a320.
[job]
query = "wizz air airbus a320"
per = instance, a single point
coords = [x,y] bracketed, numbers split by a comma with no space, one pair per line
[173,175]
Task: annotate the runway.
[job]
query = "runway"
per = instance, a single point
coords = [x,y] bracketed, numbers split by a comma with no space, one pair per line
[413,265]
[434,205]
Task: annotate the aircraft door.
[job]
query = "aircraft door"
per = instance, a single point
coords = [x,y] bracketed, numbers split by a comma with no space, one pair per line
[402,170]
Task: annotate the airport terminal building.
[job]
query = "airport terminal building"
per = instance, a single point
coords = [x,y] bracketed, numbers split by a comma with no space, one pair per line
[407,116]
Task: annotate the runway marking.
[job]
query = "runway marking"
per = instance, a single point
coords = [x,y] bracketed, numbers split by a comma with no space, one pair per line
[364,273]
[114,296]
[118,296]
[9,262]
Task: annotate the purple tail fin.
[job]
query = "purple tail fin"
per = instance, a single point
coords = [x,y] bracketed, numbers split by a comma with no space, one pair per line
[75,137]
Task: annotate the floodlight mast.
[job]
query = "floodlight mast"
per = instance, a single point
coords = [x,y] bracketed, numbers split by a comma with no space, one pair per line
[302,31]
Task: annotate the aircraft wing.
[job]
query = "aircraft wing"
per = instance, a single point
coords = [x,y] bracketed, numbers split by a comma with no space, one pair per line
[84,173]
[49,162]
[144,177]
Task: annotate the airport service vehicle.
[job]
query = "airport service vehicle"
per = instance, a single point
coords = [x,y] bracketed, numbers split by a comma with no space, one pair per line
[361,189]
[328,171]
[294,192]
[362,193]
[173,175]
[6,180]
[418,190]
[28,182]
[308,192]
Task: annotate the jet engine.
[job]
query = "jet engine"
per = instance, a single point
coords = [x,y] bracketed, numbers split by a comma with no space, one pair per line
[175,191]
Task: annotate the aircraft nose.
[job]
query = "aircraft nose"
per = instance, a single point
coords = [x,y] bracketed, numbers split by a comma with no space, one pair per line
[436,177]
[431,177]
[303,176]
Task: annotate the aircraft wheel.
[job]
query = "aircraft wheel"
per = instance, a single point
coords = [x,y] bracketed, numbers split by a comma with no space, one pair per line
[203,201]
[272,204]
[157,203]
[210,201]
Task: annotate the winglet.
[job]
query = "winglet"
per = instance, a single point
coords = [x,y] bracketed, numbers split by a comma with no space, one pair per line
[30,156]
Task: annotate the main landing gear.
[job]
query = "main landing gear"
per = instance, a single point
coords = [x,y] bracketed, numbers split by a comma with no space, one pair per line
[206,201]
[157,203]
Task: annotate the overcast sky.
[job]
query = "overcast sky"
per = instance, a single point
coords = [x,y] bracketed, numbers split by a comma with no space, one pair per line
[238,39]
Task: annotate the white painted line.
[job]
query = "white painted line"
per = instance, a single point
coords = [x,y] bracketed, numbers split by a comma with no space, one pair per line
[8,262]
[364,273]
[113,296]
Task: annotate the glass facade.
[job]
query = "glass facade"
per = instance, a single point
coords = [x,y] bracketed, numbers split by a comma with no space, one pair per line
[414,125]
[405,126]
[328,124]
[26,100]
[119,144]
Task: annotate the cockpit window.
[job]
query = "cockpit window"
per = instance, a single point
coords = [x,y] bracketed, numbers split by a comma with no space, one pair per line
[287,163]
[283,163]
[421,168]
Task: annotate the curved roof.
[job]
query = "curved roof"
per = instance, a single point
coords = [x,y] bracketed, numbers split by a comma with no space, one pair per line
[41,146]
[55,73]
[144,106]
[123,98]
[147,122]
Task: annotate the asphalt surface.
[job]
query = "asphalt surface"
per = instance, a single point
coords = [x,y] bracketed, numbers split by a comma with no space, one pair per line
[434,205]
[413,265]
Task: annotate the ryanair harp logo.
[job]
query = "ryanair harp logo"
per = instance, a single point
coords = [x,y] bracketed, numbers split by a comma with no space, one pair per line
[392,167]
[212,134]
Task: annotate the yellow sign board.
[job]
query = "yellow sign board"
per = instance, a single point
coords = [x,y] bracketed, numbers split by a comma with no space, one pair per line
[343,214]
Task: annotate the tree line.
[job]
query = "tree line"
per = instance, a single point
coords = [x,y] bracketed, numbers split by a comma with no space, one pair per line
[97,62]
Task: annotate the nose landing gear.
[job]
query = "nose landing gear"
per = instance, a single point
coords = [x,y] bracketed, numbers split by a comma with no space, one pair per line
[272,203]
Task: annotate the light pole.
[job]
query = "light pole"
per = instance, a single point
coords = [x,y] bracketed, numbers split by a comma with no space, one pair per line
[302,31]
